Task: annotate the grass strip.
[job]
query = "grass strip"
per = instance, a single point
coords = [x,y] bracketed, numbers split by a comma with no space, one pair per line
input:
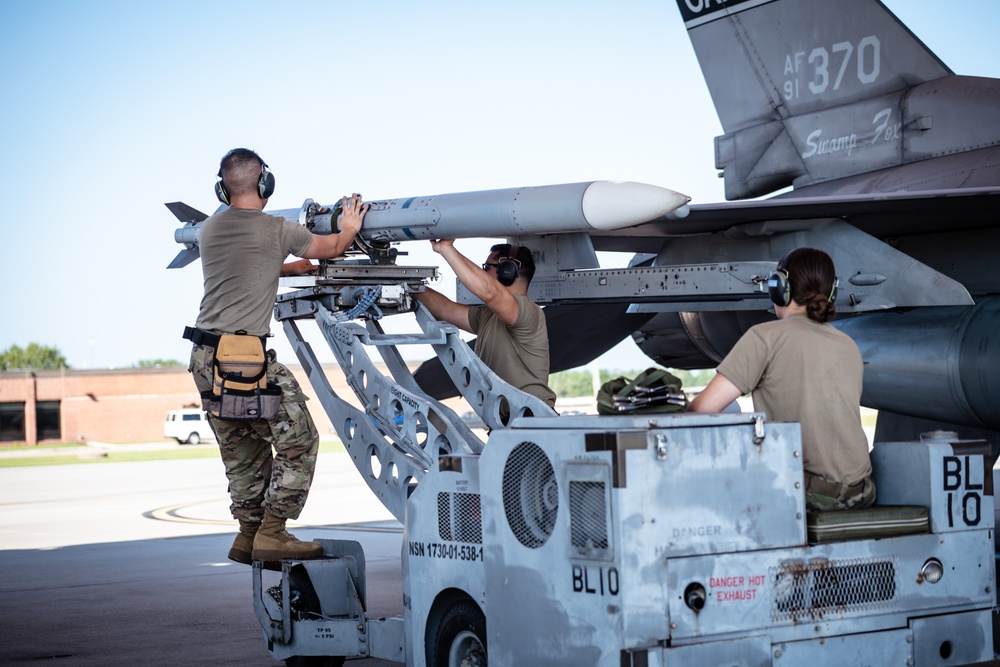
[90,455]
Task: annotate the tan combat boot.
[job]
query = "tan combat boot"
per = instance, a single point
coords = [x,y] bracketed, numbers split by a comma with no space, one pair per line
[273,543]
[243,544]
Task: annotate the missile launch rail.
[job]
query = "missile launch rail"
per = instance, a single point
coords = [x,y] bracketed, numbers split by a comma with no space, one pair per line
[671,540]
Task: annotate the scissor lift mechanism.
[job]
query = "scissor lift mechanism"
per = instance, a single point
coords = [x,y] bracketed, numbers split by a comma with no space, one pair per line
[400,431]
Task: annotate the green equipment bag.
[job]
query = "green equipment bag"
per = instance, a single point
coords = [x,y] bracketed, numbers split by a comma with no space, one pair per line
[654,391]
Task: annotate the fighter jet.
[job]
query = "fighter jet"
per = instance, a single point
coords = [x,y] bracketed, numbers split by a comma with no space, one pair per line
[881,155]
[893,165]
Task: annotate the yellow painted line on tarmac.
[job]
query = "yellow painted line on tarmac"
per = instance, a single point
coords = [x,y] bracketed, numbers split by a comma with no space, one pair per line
[170,513]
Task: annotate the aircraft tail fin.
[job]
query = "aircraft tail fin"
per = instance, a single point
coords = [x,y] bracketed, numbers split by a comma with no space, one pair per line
[774,67]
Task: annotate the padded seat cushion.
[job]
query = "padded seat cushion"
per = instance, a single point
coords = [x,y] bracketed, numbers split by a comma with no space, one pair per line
[873,522]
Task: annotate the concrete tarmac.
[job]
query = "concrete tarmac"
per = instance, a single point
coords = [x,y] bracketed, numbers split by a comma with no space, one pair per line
[125,563]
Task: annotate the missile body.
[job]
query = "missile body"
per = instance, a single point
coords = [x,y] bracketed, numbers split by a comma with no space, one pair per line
[547,209]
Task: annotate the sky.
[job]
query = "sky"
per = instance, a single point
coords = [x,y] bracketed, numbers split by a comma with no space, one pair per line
[112,108]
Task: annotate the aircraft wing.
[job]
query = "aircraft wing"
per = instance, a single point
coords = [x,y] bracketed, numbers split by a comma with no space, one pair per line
[880,214]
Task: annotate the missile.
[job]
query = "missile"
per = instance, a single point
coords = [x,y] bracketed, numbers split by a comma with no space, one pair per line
[547,209]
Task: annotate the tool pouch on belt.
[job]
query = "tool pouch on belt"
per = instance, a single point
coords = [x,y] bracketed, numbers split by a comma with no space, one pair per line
[240,390]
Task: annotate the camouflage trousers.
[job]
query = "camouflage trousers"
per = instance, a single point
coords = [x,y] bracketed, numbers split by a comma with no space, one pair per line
[259,479]
[820,502]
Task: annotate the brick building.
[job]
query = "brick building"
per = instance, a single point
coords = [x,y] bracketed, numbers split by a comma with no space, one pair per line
[127,405]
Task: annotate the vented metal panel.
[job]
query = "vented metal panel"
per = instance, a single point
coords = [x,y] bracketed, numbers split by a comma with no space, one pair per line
[530,495]
[588,517]
[459,518]
[802,589]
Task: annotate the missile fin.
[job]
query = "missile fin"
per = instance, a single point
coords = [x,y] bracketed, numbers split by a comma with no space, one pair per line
[185,213]
[184,257]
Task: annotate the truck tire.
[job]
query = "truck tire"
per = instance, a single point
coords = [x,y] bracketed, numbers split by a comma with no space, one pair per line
[194,439]
[460,637]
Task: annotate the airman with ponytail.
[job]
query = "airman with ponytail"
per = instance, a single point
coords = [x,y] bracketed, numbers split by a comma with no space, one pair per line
[800,368]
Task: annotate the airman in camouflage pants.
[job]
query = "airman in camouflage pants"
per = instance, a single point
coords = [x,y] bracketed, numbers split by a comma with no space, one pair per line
[258,480]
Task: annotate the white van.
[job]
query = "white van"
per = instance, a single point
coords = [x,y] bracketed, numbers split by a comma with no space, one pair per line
[188,425]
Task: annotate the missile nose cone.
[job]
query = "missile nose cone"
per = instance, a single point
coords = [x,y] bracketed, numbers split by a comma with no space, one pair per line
[615,205]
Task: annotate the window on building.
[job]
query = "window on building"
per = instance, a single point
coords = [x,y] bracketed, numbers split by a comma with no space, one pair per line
[47,420]
[11,422]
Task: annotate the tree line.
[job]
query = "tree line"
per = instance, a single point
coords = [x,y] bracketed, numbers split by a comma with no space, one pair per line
[568,384]
[576,383]
[35,357]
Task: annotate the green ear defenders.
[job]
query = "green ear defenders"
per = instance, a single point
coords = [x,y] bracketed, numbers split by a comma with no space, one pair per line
[509,268]
[265,185]
[779,287]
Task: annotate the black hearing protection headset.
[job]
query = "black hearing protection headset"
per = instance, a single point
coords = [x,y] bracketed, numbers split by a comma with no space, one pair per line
[779,287]
[265,184]
[509,267]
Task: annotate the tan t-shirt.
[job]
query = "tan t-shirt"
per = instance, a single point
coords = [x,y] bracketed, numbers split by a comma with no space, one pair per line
[242,251]
[804,371]
[518,354]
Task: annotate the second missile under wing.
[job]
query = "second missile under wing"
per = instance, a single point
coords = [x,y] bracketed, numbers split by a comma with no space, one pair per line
[894,164]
